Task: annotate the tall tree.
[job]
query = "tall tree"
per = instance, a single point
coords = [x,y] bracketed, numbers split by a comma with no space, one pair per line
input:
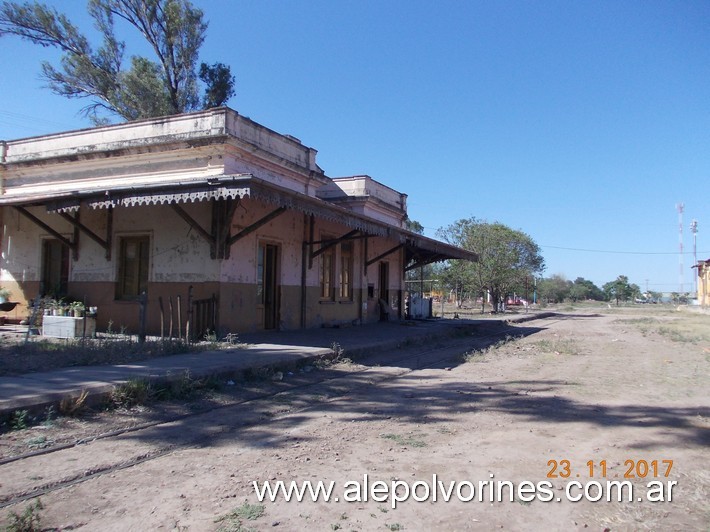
[220,84]
[506,257]
[554,289]
[174,30]
[619,289]
[585,289]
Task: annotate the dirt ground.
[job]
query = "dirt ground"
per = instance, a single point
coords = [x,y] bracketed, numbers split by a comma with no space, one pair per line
[621,391]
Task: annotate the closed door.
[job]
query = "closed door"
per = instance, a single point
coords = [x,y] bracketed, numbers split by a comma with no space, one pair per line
[55,268]
[269,284]
[385,282]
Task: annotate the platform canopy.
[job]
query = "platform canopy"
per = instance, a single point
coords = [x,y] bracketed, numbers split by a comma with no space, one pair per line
[419,249]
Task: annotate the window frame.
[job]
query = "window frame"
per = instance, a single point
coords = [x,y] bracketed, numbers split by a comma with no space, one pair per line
[141,268]
[48,263]
[345,285]
[327,273]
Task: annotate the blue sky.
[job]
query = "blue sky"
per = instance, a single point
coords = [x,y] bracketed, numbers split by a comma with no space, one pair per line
[581,123]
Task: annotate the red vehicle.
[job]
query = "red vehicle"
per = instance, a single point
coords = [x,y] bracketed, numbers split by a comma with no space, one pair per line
[516,301]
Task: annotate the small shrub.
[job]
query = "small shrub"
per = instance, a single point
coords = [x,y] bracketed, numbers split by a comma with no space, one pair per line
[39,442]
[184,387]
[233,339]
[28,521]
[49,417]
[131,393]
[232,522]
[19,420]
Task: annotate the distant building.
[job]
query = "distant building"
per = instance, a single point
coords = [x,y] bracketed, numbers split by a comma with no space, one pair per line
[703,267]
[236,219]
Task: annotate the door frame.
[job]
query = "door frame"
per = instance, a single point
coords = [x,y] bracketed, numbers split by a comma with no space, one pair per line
[269,283]
[48,264]
[383,278]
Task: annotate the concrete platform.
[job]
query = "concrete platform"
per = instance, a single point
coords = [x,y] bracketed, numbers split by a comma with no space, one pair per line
[32,391]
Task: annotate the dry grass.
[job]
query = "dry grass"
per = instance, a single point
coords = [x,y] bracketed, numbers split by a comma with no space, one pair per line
[73,405]
[681,327]
[17,357]
[558,346]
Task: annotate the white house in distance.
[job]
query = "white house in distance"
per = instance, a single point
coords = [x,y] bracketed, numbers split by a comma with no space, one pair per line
[236,219]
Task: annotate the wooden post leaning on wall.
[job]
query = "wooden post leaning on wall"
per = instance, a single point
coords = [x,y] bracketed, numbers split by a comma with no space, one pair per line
[188,332]
[162,318]
[179,316]
[170,308]
[142,316]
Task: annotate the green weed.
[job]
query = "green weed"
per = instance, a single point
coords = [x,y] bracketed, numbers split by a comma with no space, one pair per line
[19,420]
[131,393]
[39,442]
[405,441]
[28,521]
[49,417]
[675,335]
[558,346]
[232,522]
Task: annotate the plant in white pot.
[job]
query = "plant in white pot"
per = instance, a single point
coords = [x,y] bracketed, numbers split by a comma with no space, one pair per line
[77,309]
[4,294]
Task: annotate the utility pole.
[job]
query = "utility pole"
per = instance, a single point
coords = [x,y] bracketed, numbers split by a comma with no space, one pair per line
[680,207]
[694,230]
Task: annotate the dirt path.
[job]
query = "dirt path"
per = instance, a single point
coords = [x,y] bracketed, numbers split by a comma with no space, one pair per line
[609,389]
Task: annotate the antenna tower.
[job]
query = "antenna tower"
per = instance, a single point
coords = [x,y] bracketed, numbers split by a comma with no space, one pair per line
[680,207]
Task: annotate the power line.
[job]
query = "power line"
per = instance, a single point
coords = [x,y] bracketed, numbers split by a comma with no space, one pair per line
[34,124]
[620,252]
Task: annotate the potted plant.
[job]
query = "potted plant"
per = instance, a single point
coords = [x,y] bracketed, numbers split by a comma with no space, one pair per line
[4,294]
[47,305]
[77,309]
[58,308]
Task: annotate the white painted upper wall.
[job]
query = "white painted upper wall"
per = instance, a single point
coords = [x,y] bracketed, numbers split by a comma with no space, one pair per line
[136,134]
[181,149]
[367,196]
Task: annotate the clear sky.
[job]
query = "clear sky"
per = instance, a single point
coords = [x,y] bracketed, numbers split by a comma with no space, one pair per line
[581,123]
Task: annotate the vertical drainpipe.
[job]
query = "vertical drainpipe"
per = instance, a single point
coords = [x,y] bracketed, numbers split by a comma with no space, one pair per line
[3,157]
[304,257]
[358,263]
[307,234]
[400,292]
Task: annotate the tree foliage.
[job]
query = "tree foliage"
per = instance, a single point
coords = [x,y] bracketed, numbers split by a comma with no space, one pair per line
[583,289]
[505,258]
[557,288]
[413,226]
[423,273]
[174,30]
[554,289]
[620,289]
[220,84]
